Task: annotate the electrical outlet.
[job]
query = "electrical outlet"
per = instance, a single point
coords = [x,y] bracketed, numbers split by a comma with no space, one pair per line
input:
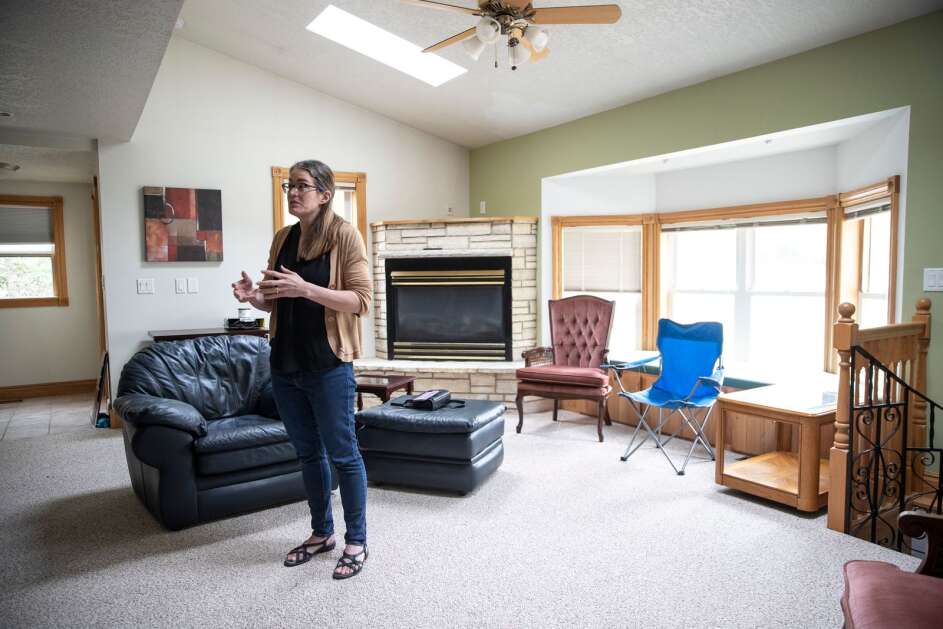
[450,211]
[180,285]
[146,286]
[193,285]
[482,207]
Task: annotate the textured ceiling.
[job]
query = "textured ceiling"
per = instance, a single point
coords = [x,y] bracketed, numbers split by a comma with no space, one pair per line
[657,46]
[83,67]
[47,164]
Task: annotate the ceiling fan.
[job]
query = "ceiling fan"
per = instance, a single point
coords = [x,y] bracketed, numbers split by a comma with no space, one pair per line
[521,22]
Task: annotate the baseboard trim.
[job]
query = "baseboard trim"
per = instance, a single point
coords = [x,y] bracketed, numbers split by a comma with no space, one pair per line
[24,391]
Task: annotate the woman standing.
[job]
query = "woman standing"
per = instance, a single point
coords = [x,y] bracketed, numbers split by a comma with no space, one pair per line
[317,287]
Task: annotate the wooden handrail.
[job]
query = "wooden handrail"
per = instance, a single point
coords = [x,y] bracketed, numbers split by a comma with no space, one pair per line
[901,348]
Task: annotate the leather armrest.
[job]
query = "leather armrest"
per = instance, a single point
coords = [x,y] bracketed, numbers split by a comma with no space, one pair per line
[266,406]
[146,410]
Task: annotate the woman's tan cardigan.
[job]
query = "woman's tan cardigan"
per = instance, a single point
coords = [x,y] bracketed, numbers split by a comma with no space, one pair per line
[349,271]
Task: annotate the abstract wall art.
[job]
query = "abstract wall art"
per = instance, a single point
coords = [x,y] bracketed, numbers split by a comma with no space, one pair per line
[183,224]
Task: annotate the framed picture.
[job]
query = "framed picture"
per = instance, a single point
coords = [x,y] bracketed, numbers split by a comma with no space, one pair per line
[183,224]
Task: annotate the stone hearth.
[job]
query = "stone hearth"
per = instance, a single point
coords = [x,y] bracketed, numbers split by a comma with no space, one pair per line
[514,237]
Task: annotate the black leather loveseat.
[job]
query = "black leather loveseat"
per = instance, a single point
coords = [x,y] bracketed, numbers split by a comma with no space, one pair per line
[201,431]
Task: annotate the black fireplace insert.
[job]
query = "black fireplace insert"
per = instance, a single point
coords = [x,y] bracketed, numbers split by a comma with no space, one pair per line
[449,308]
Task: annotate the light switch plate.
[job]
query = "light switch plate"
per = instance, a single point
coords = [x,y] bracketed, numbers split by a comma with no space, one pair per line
[482,207]
[146,286]
[932,280]
[180,285]
[193,285]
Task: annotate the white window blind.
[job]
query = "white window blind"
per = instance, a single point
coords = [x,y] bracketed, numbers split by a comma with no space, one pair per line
[602,259]
[25,225]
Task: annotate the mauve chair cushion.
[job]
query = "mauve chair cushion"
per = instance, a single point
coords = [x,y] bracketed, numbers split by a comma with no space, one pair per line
[558,374]
[879,595]
[526,387]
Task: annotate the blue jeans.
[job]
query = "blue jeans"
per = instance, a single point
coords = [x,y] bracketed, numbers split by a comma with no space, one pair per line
[317,408]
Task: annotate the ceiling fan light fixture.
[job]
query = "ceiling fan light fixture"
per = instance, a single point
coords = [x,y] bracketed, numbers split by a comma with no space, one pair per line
[474,47]
[487,30]
[539,37]
[519,55]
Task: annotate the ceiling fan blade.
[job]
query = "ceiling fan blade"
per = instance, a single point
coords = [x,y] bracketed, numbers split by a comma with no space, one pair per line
[593,14]
[454,39]
[431,4]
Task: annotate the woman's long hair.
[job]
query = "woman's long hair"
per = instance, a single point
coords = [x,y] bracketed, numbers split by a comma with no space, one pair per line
[323,235]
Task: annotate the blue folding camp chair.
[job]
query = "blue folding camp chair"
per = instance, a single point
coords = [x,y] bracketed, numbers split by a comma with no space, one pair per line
[692,374]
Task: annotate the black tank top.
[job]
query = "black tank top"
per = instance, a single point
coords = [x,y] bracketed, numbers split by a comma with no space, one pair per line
[301,342]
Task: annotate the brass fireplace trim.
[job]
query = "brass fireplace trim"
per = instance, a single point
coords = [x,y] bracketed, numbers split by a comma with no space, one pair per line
[424,344]
[448,273]
[499,283]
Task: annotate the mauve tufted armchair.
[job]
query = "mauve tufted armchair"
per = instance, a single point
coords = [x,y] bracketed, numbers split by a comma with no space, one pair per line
[579,333]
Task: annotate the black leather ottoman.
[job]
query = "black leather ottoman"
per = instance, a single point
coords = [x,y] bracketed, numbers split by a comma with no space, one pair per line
[451,449]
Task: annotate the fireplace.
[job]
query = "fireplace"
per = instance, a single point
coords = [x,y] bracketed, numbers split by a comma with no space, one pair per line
[449,308]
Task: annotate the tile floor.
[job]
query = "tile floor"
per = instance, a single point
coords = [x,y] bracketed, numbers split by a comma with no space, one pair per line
[36,417]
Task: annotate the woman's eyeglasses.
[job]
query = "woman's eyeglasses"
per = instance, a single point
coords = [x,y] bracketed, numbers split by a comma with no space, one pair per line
[300,188]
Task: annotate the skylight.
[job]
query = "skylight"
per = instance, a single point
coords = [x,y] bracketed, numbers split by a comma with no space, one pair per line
[363,37]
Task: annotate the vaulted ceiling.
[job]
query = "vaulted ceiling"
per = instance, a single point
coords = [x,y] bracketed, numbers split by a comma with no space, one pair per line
[657,46]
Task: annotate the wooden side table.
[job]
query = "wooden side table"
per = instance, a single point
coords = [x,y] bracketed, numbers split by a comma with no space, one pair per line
[180,335]
[381,386]
[794,474]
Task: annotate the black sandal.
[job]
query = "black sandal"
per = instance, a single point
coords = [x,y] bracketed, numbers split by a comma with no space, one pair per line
[351,561]
[322,547]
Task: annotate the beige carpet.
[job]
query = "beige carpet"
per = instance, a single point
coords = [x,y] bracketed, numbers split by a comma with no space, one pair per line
[564,534]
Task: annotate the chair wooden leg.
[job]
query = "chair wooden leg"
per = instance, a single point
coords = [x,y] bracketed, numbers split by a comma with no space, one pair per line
[599,423]
[520,412]
[556,405]
[605,406]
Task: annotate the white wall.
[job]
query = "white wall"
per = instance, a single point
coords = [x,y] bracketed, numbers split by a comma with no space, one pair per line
[873,156]
[213,122]
[796,175]
[56,344]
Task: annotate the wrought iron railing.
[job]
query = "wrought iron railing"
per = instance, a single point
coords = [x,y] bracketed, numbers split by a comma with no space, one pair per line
[888,473]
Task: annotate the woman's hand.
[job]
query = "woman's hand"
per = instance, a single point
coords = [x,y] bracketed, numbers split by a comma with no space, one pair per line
[243,290]
[284,283]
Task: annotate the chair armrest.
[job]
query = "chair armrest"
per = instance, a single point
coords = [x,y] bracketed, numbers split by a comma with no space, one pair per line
[915,524]
[538,356]
[266,406]
[147,410]
[715,380]
[620,365]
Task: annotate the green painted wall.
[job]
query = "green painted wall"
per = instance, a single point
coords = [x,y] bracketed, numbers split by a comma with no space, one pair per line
[892,67]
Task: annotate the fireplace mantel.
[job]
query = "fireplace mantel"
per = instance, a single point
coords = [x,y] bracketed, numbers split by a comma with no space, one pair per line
[500,236]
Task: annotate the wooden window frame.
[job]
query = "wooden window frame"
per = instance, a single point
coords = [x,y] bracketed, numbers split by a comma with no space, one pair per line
[887,191]
[651,250]
[359,181]
[59,279]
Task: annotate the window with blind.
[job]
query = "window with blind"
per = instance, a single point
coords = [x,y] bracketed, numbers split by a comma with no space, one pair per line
[31,257]
[607,262]
[870,250]
[763,279]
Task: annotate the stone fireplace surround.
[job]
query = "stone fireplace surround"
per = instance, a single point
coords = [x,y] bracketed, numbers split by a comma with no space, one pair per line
[515,237]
